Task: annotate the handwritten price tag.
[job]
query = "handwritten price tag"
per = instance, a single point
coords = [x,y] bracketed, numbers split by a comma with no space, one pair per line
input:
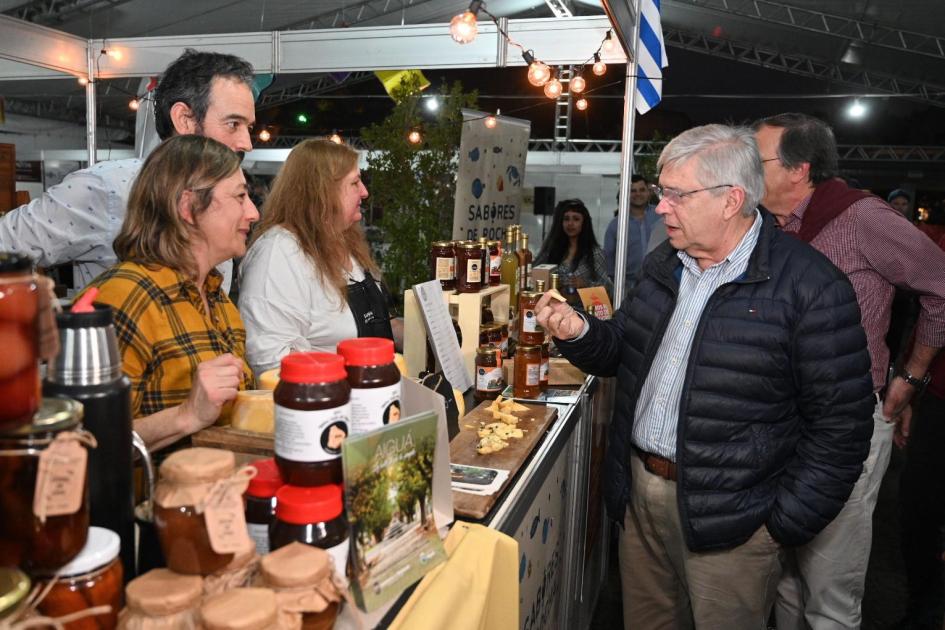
[226,523]
[60,480]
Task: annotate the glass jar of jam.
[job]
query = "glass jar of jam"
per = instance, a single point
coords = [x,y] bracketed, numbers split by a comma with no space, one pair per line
[161,599]
[545,366]
[14,588]
[185,479]
[527,380]
[489,379]
[19,338]
[468,267]
[240,609]
[495,263]
[301,577]
[443,264]
[374,381]
[93,578]
[313,516]
[313,416]
[260,499]
[43,542]
[530,331]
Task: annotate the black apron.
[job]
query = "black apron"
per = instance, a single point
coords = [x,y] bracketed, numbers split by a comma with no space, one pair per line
[368,305]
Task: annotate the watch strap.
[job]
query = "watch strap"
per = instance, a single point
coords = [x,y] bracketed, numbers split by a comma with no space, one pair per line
[918,383]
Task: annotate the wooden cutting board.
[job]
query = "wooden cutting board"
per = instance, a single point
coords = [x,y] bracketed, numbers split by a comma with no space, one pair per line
[535,422]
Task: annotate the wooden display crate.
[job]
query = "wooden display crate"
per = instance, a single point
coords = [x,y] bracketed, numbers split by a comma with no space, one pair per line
[466,309]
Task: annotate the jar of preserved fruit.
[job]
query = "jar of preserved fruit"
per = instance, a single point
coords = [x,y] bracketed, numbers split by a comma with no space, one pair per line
[43,525]
[443,264]
[495,263]
[301,577]
[489,379]
[374,381]
[161,599]
[313,416]
[468,267]
[527,381]
[188,481]
[545,366]
[93,578]
[14,589]
[313,516]
[530,331]
[240,609]
[19,338]
[260,501]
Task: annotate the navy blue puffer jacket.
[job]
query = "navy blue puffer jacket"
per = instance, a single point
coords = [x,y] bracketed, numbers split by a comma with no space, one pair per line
[775,417]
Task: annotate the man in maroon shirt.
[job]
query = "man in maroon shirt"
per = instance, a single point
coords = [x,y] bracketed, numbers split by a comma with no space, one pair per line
[879,250]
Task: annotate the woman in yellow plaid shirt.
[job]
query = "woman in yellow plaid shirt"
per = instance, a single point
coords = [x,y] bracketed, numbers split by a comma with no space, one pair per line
[181,339]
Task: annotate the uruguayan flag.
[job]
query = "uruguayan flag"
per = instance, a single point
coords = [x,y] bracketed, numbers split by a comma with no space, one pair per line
[652,57]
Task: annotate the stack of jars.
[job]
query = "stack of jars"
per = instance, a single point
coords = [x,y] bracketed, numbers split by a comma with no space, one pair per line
[532,354]
[466,266]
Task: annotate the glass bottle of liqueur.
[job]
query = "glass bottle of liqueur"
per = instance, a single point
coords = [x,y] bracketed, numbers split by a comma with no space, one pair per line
[525,262]
[509,271]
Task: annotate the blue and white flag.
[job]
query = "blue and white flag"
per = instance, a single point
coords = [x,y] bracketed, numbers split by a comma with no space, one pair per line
[652,59]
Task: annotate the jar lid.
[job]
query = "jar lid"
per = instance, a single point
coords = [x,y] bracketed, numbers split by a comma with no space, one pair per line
[55,414]
[486,350]
[469,245]
[529,294]
[441,244]
[492,326]
[197,465]
[295,565]
[303,506]
[240,609]
[494,243]
[367,351]
[313,367]
[267,479]
[10,262]
[522,348]
[14,587]
[161,592]
[101,547]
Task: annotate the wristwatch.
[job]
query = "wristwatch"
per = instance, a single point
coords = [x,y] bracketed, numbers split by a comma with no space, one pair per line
[918,383]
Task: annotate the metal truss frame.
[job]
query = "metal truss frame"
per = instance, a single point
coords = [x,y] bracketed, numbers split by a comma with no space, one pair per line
[55,111]
[360,11]
[308,89]
[48,12]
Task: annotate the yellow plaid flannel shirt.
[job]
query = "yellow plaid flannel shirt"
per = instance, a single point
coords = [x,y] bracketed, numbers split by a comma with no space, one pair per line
[163,332]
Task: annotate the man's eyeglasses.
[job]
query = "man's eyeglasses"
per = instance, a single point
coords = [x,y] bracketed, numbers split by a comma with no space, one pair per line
[674,196]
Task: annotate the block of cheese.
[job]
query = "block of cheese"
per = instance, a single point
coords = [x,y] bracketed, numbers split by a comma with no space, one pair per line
[400,363]
[253,410]
[269,379]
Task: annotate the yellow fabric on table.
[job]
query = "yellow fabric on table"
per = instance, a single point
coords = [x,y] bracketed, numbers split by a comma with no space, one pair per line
[475,589]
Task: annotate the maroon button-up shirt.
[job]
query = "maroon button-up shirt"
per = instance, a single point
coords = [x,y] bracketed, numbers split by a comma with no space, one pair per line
[880,250]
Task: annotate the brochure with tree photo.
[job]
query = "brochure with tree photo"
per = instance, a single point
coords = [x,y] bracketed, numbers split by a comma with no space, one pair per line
[388,496]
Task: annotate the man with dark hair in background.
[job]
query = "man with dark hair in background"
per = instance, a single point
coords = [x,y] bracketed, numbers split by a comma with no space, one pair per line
[643,218]
[880,251]
[203,93]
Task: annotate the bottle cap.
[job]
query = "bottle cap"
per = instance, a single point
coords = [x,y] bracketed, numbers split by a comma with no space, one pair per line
[367,351]
[267,480]
[313,367]
[101,547]
[303,506]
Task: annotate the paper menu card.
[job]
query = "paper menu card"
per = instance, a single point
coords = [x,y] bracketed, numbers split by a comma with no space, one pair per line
[439,325]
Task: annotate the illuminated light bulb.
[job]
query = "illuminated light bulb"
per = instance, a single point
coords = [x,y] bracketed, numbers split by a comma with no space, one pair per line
[336,138]
[490,122]
[264,135]
[608,45]
[553,88]
[133,104]
[538,73]
[581,104]
[463,28]
[599,67]
[856,109]
[83,81]
[577,84]
[432,103]
[414,137]
[114,53]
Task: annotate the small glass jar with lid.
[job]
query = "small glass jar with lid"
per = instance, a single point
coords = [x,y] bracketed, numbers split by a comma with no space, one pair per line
[260,499]
[527,380]
[489,379]
[19,338]
[161,598]
[469,273]
[443,264]
[495,263]
[47,541]
[240,609]
[313,516]
[301,577]
[530,331]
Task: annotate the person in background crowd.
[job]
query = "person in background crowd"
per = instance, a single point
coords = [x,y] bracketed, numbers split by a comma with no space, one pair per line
[181,339]
[721,444]
[643,219]
[901,202]
[934,225]
[203,93]
[308,280]
[572,246]
[879,250]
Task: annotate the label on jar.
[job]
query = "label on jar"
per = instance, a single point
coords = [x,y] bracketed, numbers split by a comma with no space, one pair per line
[60,478]
[473,271]
[225,520]
[532,374]
[339,557]
[311,436]
[495,265]
[545,369]
[374,408]
[259,532]
[445,268]
[489,379]
[530,322]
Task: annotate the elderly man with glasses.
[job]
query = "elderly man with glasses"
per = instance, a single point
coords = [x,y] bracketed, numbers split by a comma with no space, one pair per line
[722,450]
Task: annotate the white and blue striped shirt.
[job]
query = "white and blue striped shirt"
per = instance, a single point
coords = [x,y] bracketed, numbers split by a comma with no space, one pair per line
[657,412]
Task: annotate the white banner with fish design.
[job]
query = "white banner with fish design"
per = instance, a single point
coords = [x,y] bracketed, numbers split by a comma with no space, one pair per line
[489,178]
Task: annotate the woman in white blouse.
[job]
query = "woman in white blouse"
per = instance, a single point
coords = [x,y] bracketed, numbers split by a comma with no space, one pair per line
[308,280]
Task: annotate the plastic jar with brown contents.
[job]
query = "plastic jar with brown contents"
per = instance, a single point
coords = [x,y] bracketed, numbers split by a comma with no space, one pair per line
[260,499]
[468,267]
[443,264]
[161,599]
[241,609]
[44,542]
[530,331]
[301,577]
[374,381]
[313,416]
[93,578]
[313,516]
[19,338]
[489,379]
[527,382]
[186,478]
